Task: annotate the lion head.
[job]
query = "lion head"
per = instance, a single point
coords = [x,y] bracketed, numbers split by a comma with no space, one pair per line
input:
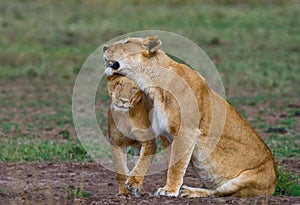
[124,93]
[121,56]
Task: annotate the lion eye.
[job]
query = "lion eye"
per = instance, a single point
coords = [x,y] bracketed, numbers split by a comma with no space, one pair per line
[134,89]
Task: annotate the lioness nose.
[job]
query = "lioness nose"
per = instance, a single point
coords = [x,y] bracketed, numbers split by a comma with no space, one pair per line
[123,100]
[113,64]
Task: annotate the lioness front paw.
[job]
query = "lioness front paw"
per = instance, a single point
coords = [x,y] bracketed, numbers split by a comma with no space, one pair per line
[134,186]
[166,192]
[123,193]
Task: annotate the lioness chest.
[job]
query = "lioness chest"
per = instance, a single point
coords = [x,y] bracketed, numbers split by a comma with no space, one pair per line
[134,124]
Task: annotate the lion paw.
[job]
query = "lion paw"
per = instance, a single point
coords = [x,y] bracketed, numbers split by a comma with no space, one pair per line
[165,192]
[123,193]
[134,187]
[190,192]
[185,191]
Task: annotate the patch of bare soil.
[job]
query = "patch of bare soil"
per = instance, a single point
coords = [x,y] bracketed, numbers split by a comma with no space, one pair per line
[90,183]
[291,166]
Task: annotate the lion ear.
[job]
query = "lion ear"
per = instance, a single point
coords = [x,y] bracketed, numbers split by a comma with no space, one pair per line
[151,44]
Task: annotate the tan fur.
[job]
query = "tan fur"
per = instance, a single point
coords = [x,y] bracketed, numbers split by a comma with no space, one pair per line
[129,111]
[239,165]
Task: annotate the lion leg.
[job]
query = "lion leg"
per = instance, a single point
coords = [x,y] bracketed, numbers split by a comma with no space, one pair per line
[186,191]
[248,183]
[119,157]
[136,177]
[181,152]
[229,188]
[254,182]
[174,178]
[165,144]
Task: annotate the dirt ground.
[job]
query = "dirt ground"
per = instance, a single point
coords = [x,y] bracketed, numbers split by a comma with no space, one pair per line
[90,183]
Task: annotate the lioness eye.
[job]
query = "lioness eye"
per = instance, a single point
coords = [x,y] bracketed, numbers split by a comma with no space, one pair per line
[115,65]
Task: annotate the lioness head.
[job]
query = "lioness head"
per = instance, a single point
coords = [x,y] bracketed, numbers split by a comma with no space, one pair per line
[125,94]
[122,55]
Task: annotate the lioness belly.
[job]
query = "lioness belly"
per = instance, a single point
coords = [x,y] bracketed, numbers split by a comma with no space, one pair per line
[207,172]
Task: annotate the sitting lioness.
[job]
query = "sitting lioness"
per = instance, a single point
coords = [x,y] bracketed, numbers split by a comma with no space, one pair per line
[239,164]
[129,126]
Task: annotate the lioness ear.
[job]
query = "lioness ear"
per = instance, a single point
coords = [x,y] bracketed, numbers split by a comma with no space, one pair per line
[151,44]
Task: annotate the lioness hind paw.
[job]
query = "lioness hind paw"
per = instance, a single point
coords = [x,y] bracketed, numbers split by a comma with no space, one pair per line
[184,191]
[190,192]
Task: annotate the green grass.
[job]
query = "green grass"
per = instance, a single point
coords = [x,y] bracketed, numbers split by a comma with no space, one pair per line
[286,183]
[243,30]
[43,44]
[20,148]
[286,146]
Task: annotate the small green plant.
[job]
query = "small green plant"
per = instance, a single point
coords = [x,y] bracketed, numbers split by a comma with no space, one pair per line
[2,192]
[75,192]
[65,134]
[287,184]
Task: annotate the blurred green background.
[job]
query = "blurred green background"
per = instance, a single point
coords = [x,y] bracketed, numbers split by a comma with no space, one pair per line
[255,46]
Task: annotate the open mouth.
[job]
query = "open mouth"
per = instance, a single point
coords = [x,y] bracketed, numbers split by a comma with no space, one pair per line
[111,72]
